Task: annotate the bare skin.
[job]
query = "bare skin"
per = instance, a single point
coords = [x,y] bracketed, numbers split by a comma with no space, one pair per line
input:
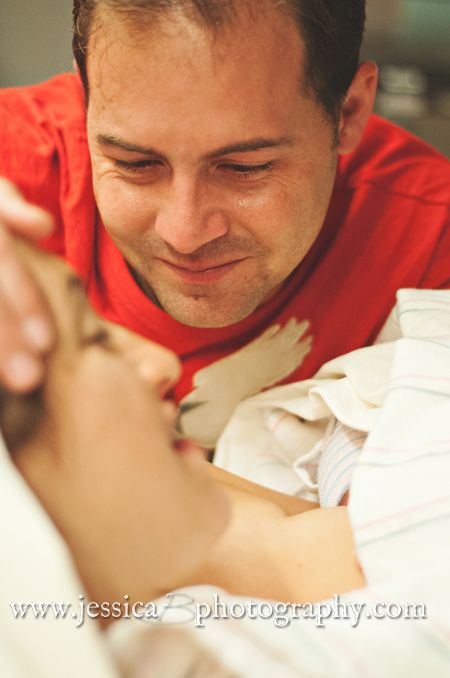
[281,548]
[289,506]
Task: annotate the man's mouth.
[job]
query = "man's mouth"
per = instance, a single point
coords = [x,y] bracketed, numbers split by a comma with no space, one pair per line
[204,272]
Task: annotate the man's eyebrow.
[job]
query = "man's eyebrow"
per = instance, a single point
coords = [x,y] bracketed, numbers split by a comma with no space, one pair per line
[111,140]
[249,146]
[257,144]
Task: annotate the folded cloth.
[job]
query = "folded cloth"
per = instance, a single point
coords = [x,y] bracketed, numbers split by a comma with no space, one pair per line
[367,640]
[36,567]
[337,463]
[304,438]
[400,496]
[277,437]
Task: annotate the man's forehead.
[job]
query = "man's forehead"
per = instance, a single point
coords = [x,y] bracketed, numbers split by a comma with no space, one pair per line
[244,99]
[117,37]
[168,94]
[214,17]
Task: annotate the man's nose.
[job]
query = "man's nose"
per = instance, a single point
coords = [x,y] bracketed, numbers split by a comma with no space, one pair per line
[187,219]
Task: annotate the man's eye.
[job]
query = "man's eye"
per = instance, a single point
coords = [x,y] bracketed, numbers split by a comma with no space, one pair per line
[248,171]
[136,166]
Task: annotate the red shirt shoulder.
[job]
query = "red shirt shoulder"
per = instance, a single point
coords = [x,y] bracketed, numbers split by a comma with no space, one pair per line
[396,189]
[395,161]
[43,150]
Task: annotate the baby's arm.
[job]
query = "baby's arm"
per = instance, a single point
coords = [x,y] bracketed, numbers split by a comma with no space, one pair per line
[266,553]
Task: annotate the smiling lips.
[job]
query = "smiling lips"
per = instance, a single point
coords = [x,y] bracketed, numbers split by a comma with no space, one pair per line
[204,273]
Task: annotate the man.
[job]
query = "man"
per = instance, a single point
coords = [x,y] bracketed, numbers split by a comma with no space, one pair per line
[243,209]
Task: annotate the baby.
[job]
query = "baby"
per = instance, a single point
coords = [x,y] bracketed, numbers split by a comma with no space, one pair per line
[102,458]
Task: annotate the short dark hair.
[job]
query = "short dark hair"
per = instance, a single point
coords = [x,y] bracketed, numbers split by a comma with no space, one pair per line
[332,31]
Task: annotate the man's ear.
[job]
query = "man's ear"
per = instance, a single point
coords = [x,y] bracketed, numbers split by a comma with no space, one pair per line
[357,107]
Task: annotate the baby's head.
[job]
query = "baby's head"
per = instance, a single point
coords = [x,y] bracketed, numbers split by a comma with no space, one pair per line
[96,445]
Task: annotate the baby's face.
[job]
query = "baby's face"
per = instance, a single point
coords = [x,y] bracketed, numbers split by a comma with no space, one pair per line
[137,511]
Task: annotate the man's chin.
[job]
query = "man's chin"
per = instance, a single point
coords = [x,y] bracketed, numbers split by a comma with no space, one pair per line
[204,313]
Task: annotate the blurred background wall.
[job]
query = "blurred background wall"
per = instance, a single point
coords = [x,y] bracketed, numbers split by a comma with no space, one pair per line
[409,39]
[35,37]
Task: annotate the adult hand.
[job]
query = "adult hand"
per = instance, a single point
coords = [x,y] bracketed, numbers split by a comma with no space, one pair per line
[26,327]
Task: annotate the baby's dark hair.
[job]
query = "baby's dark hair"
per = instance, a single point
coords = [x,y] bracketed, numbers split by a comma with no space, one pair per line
[20,417]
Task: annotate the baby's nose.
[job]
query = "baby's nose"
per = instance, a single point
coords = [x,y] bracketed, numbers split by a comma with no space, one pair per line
[159,367]
[156,365]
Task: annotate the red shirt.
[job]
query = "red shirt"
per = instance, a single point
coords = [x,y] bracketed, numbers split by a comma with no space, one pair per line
[387,227]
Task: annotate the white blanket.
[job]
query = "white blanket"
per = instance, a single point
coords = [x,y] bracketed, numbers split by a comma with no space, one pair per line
[36,567]
[285,457]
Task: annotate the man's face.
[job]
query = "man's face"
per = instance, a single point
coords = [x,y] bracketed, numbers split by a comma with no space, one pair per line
[212,170]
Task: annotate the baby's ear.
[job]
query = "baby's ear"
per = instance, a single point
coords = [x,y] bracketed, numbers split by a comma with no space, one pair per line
[20,417]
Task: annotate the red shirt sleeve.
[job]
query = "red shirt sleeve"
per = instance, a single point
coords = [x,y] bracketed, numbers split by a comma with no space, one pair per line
[437,275]
[43,151]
